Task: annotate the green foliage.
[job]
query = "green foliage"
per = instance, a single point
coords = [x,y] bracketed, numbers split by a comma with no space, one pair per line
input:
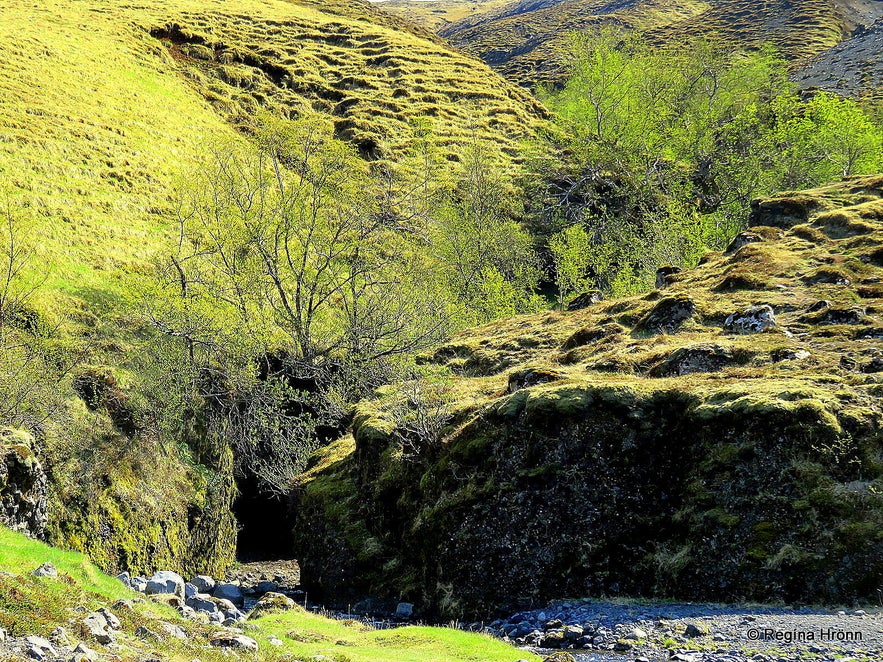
[660,150]
[570,254]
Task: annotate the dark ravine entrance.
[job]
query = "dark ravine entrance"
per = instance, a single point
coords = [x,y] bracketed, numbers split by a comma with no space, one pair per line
[264,524]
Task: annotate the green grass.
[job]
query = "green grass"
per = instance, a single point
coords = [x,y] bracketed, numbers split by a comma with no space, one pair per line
[30,605]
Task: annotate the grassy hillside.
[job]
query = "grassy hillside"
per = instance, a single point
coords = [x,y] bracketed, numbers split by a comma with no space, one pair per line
[436,14]
[524,39]
[36,606]
[99,117]
[105,110]
[643,445]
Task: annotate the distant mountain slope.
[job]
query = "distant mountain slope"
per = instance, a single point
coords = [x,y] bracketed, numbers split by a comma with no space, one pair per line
[852,68]
[103,104]
[524,39]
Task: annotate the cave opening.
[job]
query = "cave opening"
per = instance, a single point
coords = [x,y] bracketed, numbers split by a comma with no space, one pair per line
[265,523]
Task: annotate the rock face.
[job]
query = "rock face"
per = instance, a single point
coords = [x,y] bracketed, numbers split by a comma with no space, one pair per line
[23,484]
[712,464]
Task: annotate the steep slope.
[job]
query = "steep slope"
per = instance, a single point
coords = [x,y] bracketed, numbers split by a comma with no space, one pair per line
[718,438]
[852,68]
[98,119]
[524,39]
[104,109]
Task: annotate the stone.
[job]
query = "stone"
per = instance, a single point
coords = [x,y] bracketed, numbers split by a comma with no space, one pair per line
[138,584]
[852,315]
[168,599]
[231,640]
[41,644]
[637,633]
[275,641]
[278,602]
[4,635]
[125,578]
[266,587]
[216,617]
[203,584]
[704,357]
[622,646]
[175,631]
[573,632]
[560,657]
[668,315]
[36,653]
[231,592]
[147,634]
[741,240]
[60,636]
[663,276]
[753,319]
[96,626]
[166,582]
[585,300]
[204,603]
[403,610]
[112,621]
[83,651]
[694,630]
[46,570]
[819,306]
[190,590]
[554,624]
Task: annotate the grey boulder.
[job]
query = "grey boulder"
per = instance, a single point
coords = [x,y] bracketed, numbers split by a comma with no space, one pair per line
[166,582]
[231,592]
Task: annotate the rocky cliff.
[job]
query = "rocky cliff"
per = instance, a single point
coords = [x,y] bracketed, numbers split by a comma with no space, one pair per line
[717,438]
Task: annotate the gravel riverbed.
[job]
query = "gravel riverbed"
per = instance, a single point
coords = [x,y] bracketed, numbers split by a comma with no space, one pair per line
[598,631]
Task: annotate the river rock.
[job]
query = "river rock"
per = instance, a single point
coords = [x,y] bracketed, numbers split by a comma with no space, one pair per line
[166,582]
[231,592]
[204,584]
[204,603]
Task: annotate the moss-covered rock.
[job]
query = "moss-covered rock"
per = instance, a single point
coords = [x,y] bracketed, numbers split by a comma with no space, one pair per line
[656,453]
[23,484]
